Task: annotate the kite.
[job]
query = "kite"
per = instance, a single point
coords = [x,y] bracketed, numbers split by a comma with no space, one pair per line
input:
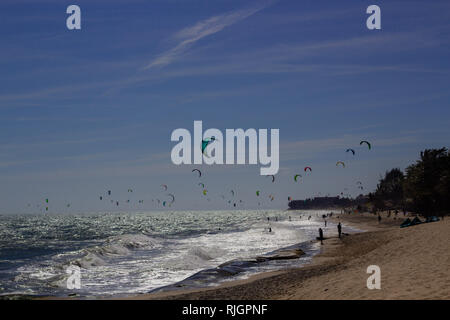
[205,143]
[173,197]
[273,177]
[340,162]
[205,191]
[202,185]
[257,193]
[306,168]
[164,186]
[199,172]
[366,142]
[296,176]
[351,150]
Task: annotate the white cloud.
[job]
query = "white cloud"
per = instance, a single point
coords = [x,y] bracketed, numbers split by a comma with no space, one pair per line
[188,36]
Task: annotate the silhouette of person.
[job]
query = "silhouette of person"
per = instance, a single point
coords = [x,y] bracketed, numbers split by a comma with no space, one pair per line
[321,235]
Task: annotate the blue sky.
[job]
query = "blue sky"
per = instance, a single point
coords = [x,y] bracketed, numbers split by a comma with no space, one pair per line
[87,111]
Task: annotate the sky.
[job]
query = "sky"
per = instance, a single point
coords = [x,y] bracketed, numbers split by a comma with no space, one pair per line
[90,110]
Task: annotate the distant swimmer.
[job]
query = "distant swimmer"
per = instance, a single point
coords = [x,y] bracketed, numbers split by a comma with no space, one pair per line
[268,218]
[270,229]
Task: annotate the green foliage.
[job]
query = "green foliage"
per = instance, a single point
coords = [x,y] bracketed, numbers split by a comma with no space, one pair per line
[425,188]
[389,192]
[427,183]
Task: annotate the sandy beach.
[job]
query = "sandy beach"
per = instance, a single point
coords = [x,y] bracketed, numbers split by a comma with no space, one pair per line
[414,264]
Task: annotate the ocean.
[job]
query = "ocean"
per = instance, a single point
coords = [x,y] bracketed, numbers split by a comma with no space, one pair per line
[122,254]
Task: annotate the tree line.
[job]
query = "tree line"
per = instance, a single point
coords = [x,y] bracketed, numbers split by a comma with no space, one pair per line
[423,188]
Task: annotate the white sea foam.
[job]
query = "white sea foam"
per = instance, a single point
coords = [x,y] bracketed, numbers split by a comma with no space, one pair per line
[117,258]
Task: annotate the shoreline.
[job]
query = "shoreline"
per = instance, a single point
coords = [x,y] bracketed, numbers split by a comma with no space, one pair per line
[413,261]
[339,270]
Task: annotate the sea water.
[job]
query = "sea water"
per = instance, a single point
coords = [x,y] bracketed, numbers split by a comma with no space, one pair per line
[131,253]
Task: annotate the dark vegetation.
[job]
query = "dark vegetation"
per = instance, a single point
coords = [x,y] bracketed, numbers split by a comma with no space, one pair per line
[424,188]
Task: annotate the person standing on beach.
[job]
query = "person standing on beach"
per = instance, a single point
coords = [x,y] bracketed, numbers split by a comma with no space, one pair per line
[339,229]
[379,218]
[321,235]
[325,223]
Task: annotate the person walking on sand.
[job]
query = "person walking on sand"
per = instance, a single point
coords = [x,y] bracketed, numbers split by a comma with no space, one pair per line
[339,226]
[321,235]
[379,218]
[325,223]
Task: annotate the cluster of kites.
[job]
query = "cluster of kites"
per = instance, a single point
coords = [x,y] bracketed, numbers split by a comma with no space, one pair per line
[338,163]
[204,190]
[167,202]
[168,199]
